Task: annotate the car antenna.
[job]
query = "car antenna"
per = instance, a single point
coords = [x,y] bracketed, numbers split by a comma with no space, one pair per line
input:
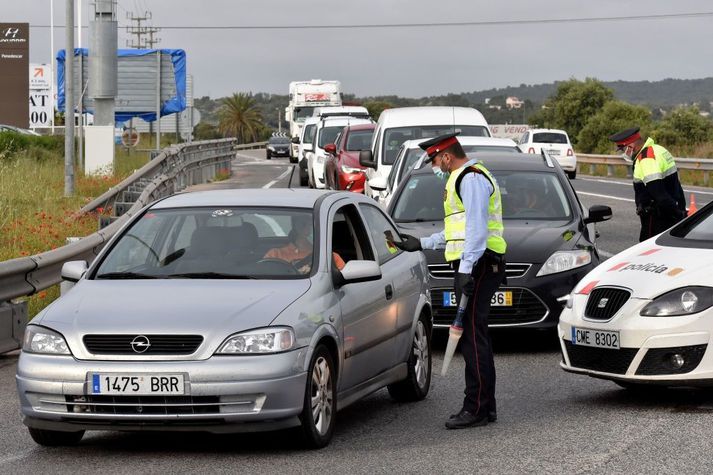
[546,158]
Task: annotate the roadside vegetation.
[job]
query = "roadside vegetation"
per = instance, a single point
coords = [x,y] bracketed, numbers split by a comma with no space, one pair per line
[34,214]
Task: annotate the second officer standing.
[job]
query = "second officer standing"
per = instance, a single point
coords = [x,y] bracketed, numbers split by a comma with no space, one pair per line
[474,246]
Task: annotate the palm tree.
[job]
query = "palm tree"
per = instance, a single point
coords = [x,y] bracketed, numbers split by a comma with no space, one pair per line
[240,118]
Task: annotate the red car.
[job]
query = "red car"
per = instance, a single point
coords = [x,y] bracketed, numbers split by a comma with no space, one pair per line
[342,170]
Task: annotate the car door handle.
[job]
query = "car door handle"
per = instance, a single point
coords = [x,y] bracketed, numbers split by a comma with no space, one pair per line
[389,290]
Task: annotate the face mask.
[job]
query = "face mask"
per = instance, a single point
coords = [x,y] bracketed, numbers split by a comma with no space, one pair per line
[626,157]
[440,173]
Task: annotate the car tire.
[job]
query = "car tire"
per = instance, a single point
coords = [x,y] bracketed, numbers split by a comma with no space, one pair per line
[310,180]
[293,159]
[303,179]
[320,402]
[416,385]
[572,175]
[336,183]
[54,438]
[267,155]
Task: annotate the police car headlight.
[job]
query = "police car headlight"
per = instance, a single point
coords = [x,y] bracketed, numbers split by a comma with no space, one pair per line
[44,341]
[562,261]
[260,341]
[684,301]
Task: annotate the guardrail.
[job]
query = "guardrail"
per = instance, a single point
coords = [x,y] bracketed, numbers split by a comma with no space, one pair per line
[700,164]
[174,169]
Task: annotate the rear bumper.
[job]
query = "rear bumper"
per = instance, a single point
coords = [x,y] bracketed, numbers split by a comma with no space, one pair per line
[221,394]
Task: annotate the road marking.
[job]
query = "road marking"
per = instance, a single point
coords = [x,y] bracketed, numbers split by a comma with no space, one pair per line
[606,253]
[14,458]
[286,172]
[605,196]
[601,180]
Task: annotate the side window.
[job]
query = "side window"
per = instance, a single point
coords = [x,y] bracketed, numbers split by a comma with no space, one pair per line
[379,229]
[349,237]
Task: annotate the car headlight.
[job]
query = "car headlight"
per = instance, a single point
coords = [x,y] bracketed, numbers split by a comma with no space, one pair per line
[270,147]
[347,169]
[45,341]
[684,301]
[263,340]
[561,261]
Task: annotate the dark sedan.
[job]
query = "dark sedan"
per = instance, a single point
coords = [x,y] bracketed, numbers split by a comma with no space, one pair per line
[277,146]
[551,239]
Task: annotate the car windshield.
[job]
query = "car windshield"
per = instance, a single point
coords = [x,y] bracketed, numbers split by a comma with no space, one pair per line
[359,140]
[395,136]
[278,140]
[214,243]
[327,135]
[549,137]
[525,196]
[301,113]
[700,229]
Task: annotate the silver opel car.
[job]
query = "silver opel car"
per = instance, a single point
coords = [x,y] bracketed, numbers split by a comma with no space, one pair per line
[228,311]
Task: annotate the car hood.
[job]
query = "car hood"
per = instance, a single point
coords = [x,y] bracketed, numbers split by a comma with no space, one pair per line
[186,306]
[649,270]
[528,241]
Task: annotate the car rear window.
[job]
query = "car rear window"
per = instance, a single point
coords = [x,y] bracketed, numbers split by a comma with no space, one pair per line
[525,196]
[549,137]
[359,140]
[395,136]
[327,135]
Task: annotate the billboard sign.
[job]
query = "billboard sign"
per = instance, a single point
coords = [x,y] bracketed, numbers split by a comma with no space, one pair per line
[14,64]
[41,107]
[508,131]
[40,76]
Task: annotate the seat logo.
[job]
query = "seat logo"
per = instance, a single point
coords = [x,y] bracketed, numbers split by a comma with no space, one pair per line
[602,302]
[140,344]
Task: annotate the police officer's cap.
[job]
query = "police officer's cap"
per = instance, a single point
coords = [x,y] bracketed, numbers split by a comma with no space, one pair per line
[438,144]
[625,137]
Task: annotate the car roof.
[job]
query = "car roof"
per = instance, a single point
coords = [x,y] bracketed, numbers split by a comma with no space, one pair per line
[559,131]
[311,120]
[272,197]
[507,162]
[431,115]
[370,126]
[469,140]
[335,121]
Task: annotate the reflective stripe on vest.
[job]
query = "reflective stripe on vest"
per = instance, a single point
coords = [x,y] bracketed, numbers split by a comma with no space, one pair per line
[454,220]
[648,168]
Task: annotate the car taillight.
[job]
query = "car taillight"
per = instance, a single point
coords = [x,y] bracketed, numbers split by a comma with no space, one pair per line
[531,150]
[569,152]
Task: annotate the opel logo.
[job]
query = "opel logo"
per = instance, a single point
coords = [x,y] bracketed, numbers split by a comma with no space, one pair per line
[140,344]
[602,303]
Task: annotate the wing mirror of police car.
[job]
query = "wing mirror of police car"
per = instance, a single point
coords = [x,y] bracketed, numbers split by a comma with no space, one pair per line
[72,271]
[366,159]
[597,214]
[330,148]
[295,140]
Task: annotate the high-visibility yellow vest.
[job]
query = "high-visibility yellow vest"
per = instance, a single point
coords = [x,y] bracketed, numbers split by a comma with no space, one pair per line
[455,215]
[653,162]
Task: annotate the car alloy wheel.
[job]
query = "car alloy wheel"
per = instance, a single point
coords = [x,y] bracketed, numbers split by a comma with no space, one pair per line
[320,403]
[418,380]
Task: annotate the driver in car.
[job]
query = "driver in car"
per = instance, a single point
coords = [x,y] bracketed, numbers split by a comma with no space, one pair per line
[298,250]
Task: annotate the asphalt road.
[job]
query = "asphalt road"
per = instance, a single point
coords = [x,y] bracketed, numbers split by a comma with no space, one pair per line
[549,421]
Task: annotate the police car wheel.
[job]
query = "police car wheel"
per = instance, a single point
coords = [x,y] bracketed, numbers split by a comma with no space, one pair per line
[54,438]
[418,381]
[320,402]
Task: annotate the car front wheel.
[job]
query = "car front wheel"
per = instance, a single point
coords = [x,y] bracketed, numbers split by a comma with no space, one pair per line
[54,438]
[320,401]
[416,385]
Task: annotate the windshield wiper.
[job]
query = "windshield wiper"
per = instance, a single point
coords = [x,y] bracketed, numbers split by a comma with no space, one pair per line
[415,220]
[207,275]
[125,275]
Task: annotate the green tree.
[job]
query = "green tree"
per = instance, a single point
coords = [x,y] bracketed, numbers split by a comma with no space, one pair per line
[240,117]
[574,103]
[206,131]
[613,117]
[375,108]
[683,126]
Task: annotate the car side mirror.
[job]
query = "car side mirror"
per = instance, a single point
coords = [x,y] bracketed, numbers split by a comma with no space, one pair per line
[295,140]
[598,213]
[330,148]
[359,271]
[378,183]
[72,271]
[366,159]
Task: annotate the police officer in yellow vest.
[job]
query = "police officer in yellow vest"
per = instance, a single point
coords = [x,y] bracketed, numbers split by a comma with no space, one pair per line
[660,202]
[474,245]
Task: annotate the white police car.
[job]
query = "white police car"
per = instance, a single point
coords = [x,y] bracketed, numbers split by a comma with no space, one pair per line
[645,316]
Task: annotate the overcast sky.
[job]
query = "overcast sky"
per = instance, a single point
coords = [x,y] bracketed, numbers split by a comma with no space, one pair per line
[414,61]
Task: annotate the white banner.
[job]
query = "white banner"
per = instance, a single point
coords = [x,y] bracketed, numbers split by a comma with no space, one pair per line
[508,131]
[40,108]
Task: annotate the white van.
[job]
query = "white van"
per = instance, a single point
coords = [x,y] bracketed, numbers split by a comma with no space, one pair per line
[326,132]
[304,146]
[343,111]
[395,126]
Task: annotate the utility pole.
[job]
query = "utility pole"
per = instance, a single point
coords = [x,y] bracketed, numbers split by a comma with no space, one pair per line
[69,99]
[103,63]
[141,31]
[279,121]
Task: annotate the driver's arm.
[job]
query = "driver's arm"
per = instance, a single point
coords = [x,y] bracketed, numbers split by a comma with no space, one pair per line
[434,241]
